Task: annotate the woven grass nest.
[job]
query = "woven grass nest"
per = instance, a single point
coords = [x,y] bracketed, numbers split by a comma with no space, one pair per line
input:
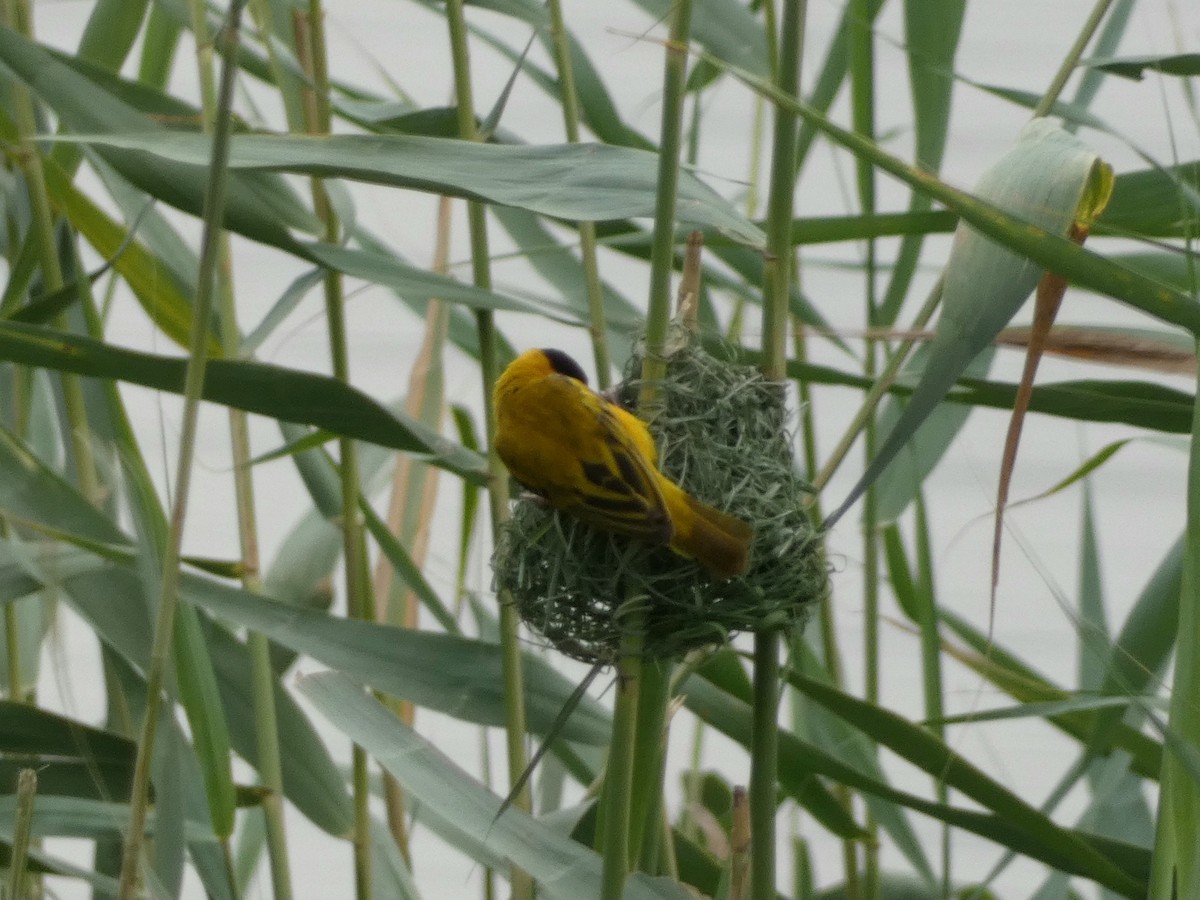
[721,435]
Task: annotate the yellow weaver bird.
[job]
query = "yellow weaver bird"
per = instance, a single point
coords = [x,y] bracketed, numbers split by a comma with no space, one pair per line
[592,459]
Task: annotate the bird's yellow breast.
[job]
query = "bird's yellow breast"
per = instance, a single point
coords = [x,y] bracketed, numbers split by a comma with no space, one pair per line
[544,428]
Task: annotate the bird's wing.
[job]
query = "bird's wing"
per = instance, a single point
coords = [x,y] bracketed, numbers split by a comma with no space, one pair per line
[618,486]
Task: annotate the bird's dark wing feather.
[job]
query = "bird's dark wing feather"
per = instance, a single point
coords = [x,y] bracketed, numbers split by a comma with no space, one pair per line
[620,489]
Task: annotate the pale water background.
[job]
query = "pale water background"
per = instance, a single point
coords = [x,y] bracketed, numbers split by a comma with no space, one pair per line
[1138,495]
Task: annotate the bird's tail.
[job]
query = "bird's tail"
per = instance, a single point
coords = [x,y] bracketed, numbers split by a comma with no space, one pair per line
[718,541]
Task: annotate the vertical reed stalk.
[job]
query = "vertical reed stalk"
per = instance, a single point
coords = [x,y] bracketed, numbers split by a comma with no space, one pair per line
[662,248]
[597,326]
[292,86]
[689,824]
[359,600]
[740,843]
[12,648]
[649,753]
[777,272]
[266,727]
[862,86]
[514,692]
[764,763]
[647,845]
[618,781]
[214,203]
[614,832]
[262,675]
[1175,865]
[12,637]
[21,831]
[733,333]
[932,664]
[830,654]
[14,15]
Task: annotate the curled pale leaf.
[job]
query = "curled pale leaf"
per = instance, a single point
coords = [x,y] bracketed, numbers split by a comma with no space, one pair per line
[1054,184]
[1097,189]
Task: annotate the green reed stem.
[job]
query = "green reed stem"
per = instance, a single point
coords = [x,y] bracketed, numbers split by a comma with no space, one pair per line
[662,248]
[650,754]
[298,112]
[615,799]
[21,831]
[777,275]
[290,84]
[1175,864]
[618,847]
[262,674]
[831,656]
[214,204]
[764,764]
[13,14]
[733,333]
[12,647]
[514,691]
[862,85]
[1071,60]
[266,726]
[597,327]
[12,642]
[777,271]
[931,662]
[360,602]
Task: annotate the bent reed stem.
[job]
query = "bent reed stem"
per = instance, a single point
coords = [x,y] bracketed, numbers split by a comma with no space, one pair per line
[214,204]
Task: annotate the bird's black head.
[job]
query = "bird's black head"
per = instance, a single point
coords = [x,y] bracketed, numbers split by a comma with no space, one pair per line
[564,365]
